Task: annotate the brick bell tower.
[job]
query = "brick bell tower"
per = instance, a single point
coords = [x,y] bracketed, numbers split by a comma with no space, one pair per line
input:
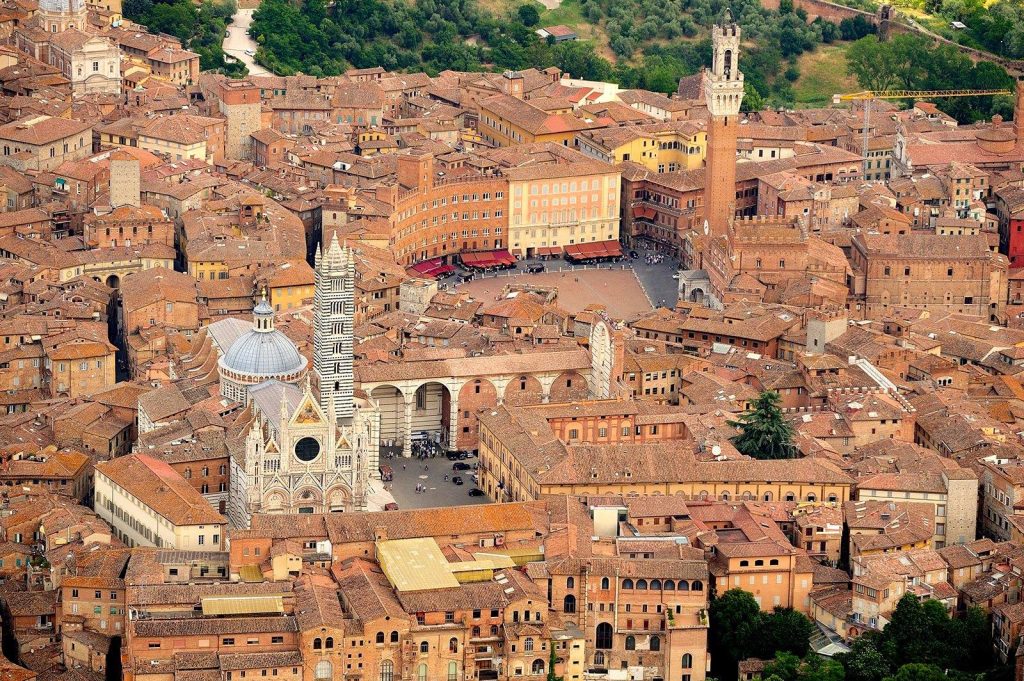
[723,93]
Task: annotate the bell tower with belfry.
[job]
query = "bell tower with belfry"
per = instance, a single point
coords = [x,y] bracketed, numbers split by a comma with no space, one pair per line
[723,93]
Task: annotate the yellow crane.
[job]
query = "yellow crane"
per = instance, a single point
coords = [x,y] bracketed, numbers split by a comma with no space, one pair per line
[868,95]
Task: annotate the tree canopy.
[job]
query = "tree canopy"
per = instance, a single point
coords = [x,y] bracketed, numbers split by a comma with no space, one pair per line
[764,432]
[912,62]
[200,28]
[740,630]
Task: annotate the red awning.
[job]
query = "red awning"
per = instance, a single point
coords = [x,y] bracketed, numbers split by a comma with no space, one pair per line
[432,268]
[487,259]
[593,250]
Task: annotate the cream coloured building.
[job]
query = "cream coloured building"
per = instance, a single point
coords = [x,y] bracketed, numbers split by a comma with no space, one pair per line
[561,204]
[147,503]
[92,63]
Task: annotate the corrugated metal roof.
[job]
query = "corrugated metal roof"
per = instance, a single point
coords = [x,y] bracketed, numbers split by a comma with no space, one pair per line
[415,564]
[242,605]
[250,573]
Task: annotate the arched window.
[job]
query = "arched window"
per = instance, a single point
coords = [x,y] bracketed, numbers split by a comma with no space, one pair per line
[627,584]
[453,645]
[684,585]
[329,643]
[421,673]
[570,583]
[812,497]
[603,638]
[605,584]
[318,644]
[394,637]
[494,630]
[687,661]
[725,496]
[773,561]
[744,563]
[630,642]
[832,498]
[655,585]
[387,671]
[569,604]
[758,563]
[669,585]
[767,496]
[655,644]
[528,645]
[324,670]
[537,667]
[424,647]
[599,659]
[380,637]
[790,496]
[641,585]
[453,671]
[697,585]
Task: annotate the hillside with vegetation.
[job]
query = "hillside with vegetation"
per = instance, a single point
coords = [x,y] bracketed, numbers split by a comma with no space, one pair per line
[648,44]
[200,28]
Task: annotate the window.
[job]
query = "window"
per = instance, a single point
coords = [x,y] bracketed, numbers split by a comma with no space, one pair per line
[380,637]
[655,644]
[453,645]
[603,638]
[424,647]
[630,642]
[570,583]
[604,583]
[537,667]
[598,659]
[318,644]
[569,604]
[421,673]
[687,661]
[453,671]
[387,671]
[627,584]
[528,645]
[324,670]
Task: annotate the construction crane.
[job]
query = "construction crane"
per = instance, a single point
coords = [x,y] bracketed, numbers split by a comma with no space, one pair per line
[868,95]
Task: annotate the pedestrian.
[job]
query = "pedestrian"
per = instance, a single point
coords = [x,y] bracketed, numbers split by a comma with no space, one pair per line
[403,466]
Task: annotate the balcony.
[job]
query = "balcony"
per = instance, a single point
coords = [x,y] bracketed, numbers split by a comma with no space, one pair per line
[687,620]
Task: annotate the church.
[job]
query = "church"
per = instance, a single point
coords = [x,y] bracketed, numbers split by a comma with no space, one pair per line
[311,443]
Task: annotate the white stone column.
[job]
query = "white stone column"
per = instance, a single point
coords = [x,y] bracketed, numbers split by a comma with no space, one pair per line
[407,425]
[453,422]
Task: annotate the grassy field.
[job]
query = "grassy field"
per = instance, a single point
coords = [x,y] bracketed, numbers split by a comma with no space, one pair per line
[822,74]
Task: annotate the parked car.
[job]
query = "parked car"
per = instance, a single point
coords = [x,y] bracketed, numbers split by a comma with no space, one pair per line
[250,53]
[459,466]
[476,492]
[458,481]
[634,255]
[453,456]
[536,268]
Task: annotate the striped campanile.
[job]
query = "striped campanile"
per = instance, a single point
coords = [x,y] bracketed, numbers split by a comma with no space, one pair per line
[333,310]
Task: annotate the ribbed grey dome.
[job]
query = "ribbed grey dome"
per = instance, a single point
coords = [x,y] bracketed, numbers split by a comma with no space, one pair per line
[263,353]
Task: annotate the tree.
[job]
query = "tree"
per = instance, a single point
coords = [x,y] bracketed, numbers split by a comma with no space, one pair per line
[764,433]
[735,627]
[551,665]
[917,671]
[528,15]
[865,661]
[786,630]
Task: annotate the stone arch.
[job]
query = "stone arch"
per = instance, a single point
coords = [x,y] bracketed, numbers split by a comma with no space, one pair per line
[523,390]
[305,497]
[431,410]
[392,410]
[113,281]
[338,499]
[276,501]
[475,395]
[696,295]
[569,386]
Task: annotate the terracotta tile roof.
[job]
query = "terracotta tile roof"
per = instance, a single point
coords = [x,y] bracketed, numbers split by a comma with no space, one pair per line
[42,130]
[161,488]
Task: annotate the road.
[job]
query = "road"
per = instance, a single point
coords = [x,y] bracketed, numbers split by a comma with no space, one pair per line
[438,491]
[238,41]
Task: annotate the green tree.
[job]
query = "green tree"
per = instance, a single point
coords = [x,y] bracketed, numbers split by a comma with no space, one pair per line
[865,661]
[735,628]
[918,671]
[528,15]
[764,433]
[552,676]
[786,630]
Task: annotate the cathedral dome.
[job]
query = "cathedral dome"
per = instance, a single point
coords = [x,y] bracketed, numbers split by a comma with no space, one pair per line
[260,354]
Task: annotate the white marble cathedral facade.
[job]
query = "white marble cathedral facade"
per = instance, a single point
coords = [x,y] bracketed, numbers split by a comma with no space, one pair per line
[311,447]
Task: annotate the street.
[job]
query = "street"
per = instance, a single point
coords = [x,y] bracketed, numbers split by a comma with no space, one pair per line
[237,41]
